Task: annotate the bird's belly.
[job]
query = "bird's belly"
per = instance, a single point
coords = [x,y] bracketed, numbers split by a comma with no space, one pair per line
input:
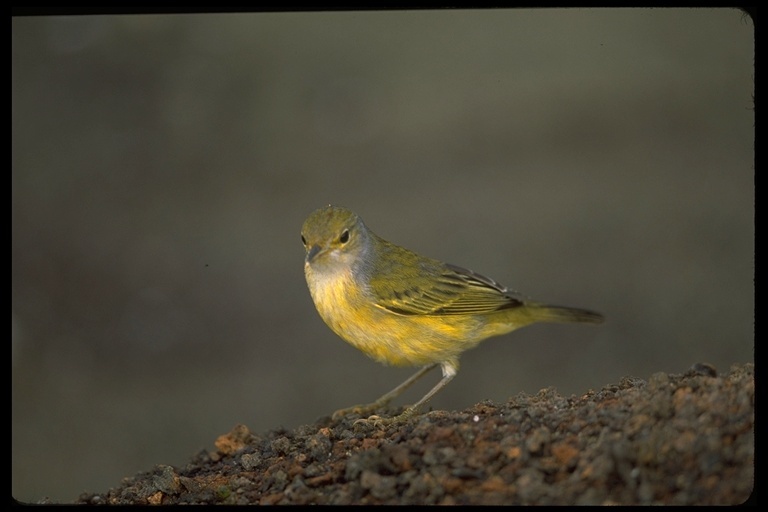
[400,340]
[409,340]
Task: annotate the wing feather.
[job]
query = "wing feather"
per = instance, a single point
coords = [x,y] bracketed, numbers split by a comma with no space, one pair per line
[446,290]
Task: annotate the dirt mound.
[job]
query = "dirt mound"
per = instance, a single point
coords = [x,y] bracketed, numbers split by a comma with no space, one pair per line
[673,439]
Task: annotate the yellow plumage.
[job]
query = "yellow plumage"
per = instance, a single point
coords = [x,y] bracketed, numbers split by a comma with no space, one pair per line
[404,309]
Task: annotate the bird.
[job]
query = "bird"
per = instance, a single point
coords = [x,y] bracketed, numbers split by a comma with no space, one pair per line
[404,309]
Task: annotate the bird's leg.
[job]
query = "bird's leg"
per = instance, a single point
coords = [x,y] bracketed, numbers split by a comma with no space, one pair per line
[450,369]
[364,409]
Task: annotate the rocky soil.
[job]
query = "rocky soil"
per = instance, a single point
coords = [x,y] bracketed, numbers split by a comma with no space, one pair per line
[674,439]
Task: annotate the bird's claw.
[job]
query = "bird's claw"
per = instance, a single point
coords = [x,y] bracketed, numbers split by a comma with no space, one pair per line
[362,410]
[379,422]
[375,422]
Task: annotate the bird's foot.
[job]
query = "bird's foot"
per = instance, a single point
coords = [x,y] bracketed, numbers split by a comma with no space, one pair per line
[361,410]
[382,423]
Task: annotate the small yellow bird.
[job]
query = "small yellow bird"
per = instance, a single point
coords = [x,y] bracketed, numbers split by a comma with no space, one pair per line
[404,309]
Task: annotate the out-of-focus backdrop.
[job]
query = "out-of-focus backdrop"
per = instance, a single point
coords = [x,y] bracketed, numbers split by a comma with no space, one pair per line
[163,165]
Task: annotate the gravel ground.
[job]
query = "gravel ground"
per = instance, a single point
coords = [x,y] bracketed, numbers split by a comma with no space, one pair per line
[674,439]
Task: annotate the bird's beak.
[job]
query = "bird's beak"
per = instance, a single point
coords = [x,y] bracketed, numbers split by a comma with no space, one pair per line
[312,253]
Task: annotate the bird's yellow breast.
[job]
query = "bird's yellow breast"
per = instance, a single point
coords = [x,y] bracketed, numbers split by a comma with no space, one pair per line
[348,307]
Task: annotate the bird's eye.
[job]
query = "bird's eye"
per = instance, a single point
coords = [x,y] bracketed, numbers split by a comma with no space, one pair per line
[344,238]
[303,240]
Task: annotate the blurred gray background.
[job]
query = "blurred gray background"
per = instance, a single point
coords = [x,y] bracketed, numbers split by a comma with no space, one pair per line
[163,165]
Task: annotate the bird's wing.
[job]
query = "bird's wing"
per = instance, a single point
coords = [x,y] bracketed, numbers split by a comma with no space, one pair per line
[448,290]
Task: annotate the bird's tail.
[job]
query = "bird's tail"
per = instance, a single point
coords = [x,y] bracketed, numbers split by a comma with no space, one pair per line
[561,314]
